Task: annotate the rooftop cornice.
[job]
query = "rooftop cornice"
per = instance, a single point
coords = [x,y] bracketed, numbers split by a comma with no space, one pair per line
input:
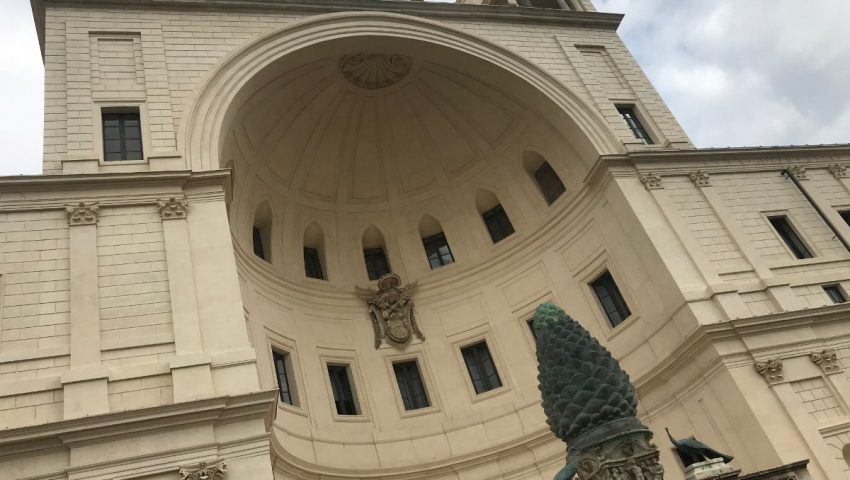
[495,13]
[12,184]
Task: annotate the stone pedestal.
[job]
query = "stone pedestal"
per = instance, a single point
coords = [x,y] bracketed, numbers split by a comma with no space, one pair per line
[709,469]
[628,457]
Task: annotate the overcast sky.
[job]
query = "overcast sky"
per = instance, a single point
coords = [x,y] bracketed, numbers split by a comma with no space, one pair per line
[734,72]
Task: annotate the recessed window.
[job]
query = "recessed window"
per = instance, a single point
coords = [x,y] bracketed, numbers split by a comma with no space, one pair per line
[553,4]
[410,385]
[789,236]
[122,136]
[313,264]
[835,293]
[632,120]
[261,232]
[283,370]
[498,223]
[549,182]
[259,248]
[482,370]
[376,262]
[610,298]
[344,401]
[438,251]
[530,324]
[845,214]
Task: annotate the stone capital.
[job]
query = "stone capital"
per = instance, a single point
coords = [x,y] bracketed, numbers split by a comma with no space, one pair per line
[798,172]
[203,471]
[173,208]
[651,181]
[837,170]
[82,214]
[700,178]
[826,359]
[771,370]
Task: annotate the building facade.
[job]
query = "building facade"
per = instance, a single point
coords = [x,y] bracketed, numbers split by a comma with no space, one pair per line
[194,279]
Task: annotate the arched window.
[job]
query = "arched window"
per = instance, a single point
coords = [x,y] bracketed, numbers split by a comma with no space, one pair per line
[435,243]
[544,176]
[375,253]
[495,218]
[314,252]
[262,231]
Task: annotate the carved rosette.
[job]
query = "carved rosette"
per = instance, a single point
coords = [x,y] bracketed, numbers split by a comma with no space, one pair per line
[651,181]
[798,172]
[827,360]
[173,208]
[700,178]
[771,370]
[374,70]
[82,214]
[631,457]
[837,170]
[203,471]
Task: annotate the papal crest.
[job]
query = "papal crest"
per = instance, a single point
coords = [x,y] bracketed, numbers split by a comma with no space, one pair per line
[391,309]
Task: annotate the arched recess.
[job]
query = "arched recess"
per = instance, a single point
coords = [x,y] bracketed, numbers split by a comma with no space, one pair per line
[210,110]
[375,253]
[435,243]
[495,218]
[548,182]
[314,252]
[262,231]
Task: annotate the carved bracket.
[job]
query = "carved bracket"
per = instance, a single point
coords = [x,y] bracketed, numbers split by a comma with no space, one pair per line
[700,178]
[798,172]
[651,181]
[771,370]
[82,214]
[827,360]
[837,170]
[173,208]
[203,471]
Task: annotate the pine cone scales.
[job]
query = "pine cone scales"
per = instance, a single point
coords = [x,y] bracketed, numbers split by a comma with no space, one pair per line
[582,385]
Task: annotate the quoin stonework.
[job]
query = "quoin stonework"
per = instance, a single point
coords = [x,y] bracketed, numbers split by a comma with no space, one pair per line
[182,290]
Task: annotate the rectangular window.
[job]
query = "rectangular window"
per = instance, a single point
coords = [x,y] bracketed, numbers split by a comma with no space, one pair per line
[438,251]
[259,250]
[122,136]
[612,301]
[341,387]
[835,293]
[530,324]
[789,236]
[282,368]
[632,120]
[498,223]
[312,264]
[482,370]
[549,182]
[845,214]
[376,262]
[410,385]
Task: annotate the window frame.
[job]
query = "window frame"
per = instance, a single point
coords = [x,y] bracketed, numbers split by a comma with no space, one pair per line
[366,257]
[345,358]
[543,192]
[281,343]
[484,377]
[636,123]
[425,245]
[488,215]
[123,106]
[836,288]
[315,260]
[794,231]
[619,293]
[415,362]
[289,374]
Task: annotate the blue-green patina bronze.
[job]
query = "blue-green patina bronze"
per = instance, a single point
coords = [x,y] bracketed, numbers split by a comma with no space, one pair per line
[588,399]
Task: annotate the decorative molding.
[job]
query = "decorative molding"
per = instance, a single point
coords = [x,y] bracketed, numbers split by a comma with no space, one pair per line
[215,471]
[771,370]
[173,208]
[651,181]
[82,214]
[391,309]
[374,70]
[797,171]
[700,178]
[837,170]
[827,360]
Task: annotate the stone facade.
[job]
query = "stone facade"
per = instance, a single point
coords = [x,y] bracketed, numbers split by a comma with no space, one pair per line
[137,326]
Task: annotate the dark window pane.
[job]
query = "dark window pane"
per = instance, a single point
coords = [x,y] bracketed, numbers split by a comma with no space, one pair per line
[498,223]
[259,248]
[376,262]
[530,324]
[410,385]
[631,119]
[122,135]
[612,301]
[280,368]
[835,293]
[438,251]
[845,214]
[549,182]
[482,370]
[312,264]
[341,387]
[789,236]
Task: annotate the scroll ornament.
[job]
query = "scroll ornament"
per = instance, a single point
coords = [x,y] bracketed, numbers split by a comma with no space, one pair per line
[82,214]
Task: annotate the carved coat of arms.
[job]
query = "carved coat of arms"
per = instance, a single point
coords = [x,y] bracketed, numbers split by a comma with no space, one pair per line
[391,309]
